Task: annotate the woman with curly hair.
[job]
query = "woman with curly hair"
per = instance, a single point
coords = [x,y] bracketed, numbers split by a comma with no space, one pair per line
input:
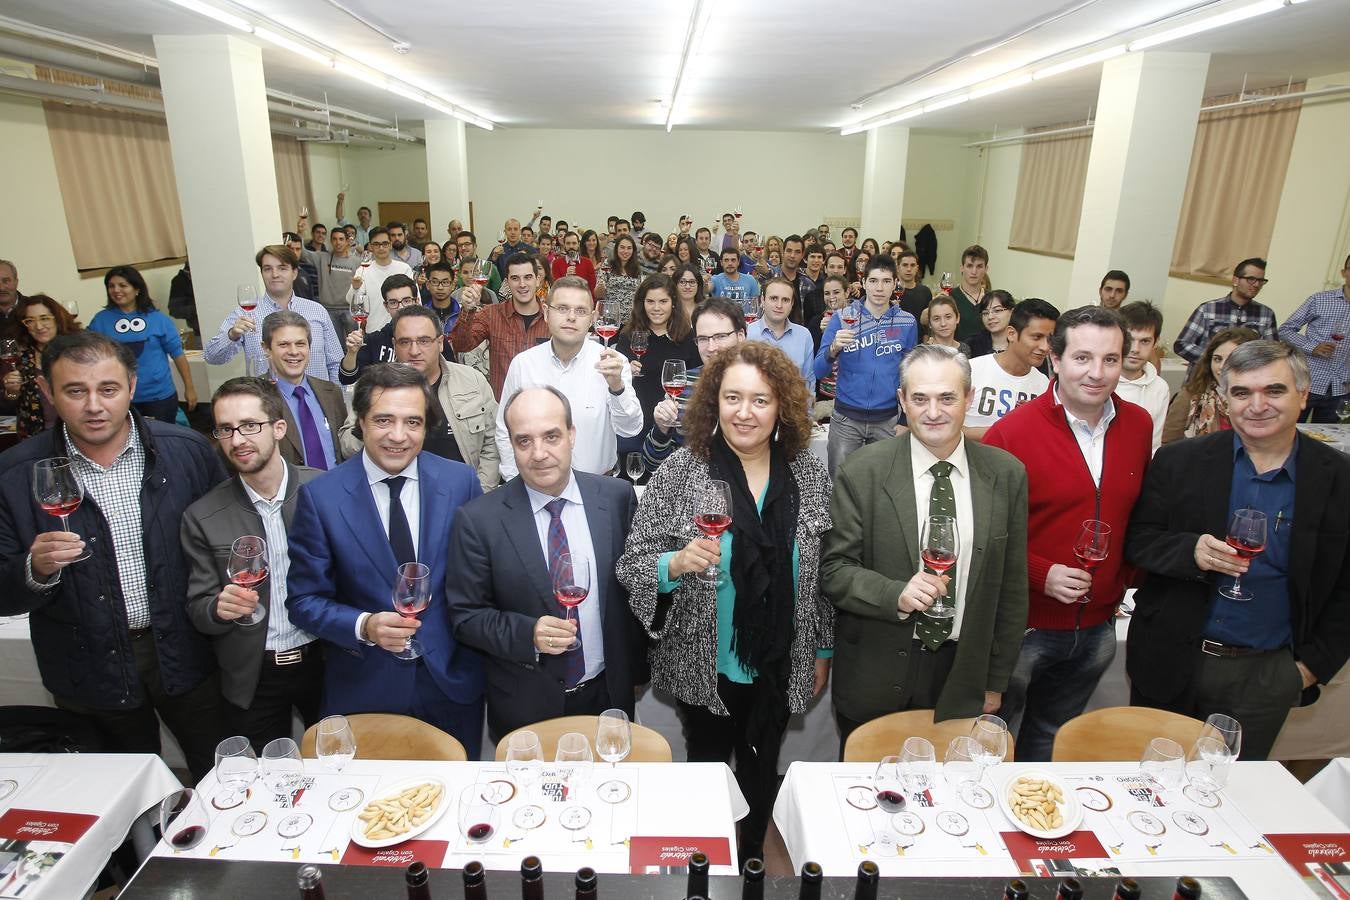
[741,652]
[1197,408]
[37,319]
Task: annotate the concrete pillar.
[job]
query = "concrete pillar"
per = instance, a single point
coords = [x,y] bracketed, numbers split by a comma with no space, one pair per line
[1147,108]
[447,174]
[883,198]
[221,139]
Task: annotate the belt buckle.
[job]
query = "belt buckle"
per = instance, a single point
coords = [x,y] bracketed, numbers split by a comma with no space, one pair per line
[1206,644]
[289,657]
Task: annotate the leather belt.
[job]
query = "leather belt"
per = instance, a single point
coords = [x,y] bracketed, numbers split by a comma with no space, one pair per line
[287,657]
[1214,648]
[581,685]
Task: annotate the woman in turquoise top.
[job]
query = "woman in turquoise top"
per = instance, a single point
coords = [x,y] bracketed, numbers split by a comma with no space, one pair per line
[742,655]
[131,318]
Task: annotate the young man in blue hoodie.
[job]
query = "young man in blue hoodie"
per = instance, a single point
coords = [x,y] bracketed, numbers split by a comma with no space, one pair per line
[867,352]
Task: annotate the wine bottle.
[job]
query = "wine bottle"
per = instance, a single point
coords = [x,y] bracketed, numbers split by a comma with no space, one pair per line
[1128,889]
[869,878]
[752,879]
[697,884]
[310,881]
[588,886]
[531,879]
[417,879]
[1016,890]
[1187,888]
[1070,889]
[812,875]
[475,881]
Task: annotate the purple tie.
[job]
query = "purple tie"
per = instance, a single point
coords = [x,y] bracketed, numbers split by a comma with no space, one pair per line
[574,661]
[309,432]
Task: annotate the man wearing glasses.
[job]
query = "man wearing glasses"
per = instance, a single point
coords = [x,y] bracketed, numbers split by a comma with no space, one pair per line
[381,267]
[314,408]
[595,379]
[1237,308]
[377,346]
[467,410]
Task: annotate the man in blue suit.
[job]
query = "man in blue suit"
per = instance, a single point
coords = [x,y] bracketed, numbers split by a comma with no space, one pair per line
[353,528]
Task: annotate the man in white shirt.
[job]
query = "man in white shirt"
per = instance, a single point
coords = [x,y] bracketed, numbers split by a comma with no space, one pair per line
[1140,382]
[596,380]
[372,276]
[1003,381]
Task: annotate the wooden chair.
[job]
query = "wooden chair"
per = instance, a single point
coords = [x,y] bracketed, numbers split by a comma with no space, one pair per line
[1121,733]
[884,735]
[388,736]
[648,744]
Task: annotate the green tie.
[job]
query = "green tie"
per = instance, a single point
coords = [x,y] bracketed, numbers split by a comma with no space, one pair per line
[941,502]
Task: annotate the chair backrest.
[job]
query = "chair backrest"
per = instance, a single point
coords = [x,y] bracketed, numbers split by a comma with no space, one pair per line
[648,745]
[1121,733]
[388,736]
[884,735]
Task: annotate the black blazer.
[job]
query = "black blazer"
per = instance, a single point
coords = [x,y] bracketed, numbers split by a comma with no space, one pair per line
[1185,495]
[497,586]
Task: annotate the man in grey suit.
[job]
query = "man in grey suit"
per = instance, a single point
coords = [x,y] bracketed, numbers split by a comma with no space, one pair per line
[314,408]
[271,667]
[503,551]
[890,653]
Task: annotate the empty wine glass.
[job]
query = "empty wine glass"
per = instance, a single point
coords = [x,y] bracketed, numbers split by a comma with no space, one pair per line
[1207,767]
[236,769]
[334,744]
[523,756]
[991,735]
[712,516]
[72,307]
[613,736]
[571,584]
[282,768]
[918,765]
[940,543]
[1163,763]
[58,491]
[1247,537]
[1226,729]
[248,568]
[634,466]
[962,769]
[1092,546]
[575,759]
[411,595]
[183,819]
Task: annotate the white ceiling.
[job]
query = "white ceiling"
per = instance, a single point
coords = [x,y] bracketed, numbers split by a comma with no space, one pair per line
[763,65]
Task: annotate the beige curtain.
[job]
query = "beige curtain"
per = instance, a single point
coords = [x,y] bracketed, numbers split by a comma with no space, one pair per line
[1233,191]
[293,185]
[1050,193]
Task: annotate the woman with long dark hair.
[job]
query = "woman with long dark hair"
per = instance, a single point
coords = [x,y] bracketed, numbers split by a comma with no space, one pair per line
[590,249]
[624,276]
[995,313]
[131,318]
[690,287]
[37,319]
[669,336]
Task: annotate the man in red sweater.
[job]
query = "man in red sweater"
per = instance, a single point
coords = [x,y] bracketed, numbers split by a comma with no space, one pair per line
[571,262]
[1085,451]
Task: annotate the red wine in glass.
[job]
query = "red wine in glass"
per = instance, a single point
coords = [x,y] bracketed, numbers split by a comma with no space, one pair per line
[360,320]
[607,331]
[712,524]
[478,833]
[890,801]
[1244,549]
[673,389]
[1091,547]
[639,352]
[187,838]
[411,595]
[938,560]
[938,549]
[62,508]
[571,582]
[247,567]
[1338,337]
[571,596]
[712,516]
[58,491]
[250,579]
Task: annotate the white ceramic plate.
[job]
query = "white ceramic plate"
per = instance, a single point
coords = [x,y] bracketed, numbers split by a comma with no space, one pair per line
[359,827]
[1069,807]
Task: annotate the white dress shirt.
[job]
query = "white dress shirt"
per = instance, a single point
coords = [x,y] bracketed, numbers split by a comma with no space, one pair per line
[578,544]
[597,414]
[921,460]
[411,499]
[1091,439]
[281,633]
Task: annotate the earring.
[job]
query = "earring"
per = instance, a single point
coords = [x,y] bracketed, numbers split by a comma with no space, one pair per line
[777,428]
[714,431]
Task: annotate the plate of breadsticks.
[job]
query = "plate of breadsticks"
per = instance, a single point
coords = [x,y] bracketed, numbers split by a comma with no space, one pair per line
[1040,804]
[401,812]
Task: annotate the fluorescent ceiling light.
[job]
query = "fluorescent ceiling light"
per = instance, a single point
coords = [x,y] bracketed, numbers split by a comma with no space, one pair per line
[881,123]
[995,87]
[1079,62]
[945,102]
[698,24]
[1229,17]
[294,46]
[360,73]
[220,15]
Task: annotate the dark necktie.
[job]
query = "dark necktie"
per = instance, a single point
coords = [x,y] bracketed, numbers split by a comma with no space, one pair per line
[309,431]
[941,502]
[400,535]
[574,661]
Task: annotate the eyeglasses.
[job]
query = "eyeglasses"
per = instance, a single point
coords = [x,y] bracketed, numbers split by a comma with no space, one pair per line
[994,310]
[708,340]
[571,312]
[440,282]
[406,343]
[399,303]
[688,282]
[38,320]
[224,432]
[381,243]
[1253,279]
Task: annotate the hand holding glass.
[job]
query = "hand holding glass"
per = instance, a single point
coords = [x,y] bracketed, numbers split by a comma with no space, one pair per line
[1247,537]
[412,594]
[571,583]
[1092,546]
[941,541]
[712,516]
[247,568]
[58,491]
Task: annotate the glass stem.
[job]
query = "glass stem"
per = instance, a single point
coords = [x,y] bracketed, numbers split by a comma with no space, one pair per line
[1237,584]
[65,523]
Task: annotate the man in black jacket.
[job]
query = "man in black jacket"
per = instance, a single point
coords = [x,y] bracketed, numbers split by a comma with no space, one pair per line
[1196,645]
[111,632]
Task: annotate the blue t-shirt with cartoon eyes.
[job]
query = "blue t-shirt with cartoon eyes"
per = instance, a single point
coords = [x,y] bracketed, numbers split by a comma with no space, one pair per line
[153,340]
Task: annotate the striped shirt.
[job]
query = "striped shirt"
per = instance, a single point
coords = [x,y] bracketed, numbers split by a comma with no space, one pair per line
[504,330]
[281,634]
[116,490]
[325,350]
[1321,319]
[1214,316]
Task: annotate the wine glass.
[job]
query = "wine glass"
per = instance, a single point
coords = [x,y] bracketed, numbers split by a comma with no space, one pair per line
[674,377]
[1163,763]
[991,736]
[918,765]
[752,308]
[712,516]
[248,569]
[574,756]
[183,819]
[411,595]
[962,769]
[613,736]
[637,342]
[1247,536]
[571,583]
[282,767]
[477,815]
[1226,729]
[607,321]
[334,744]
[1092,546]
[9,353]
[58,491]
[941,541]
[1207,767]
[236,768]
[72,307]
[523,756]
[890,797]
[634,465]
[359,306]
[247,296]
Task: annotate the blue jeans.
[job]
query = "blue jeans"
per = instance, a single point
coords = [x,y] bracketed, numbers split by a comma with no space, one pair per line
[847,435]
[1055,675]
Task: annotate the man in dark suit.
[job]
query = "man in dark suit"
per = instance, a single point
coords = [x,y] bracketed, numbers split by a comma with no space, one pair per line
[315,408]
[502,554]
[269,667]
[390,505]
[890,654]
[1193,647]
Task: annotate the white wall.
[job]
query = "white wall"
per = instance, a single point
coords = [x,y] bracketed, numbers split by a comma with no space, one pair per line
[392,175]
[943,182]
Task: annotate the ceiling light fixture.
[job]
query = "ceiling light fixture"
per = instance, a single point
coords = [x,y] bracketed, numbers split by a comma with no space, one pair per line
[1208,23]
[211,12]
[292,45]
[945,102]
[987,88]
[1079,62]
[698,23]
[900,116]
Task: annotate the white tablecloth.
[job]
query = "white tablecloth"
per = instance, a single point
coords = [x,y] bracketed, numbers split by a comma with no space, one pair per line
[1331,787]
[669,800]
[807,814]
[115,787]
